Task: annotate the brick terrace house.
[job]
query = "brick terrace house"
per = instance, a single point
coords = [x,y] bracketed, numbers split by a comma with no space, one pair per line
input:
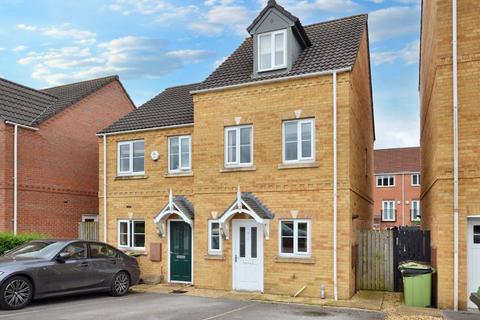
[396,187]
[449,104]
[49,153]
[257,178]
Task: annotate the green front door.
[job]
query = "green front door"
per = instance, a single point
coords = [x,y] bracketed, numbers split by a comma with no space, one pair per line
[180,251]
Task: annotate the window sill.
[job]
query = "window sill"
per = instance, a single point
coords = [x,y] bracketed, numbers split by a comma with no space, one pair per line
[132,177]
[236,169]
[214,257]
[303,260]
[299,165]
[179,174]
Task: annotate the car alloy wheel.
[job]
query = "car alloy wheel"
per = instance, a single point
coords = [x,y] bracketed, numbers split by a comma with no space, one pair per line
[17,293]
[121,284]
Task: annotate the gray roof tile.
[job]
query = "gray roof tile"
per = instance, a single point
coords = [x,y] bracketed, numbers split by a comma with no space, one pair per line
[31,107]
[335,45]
[174,106]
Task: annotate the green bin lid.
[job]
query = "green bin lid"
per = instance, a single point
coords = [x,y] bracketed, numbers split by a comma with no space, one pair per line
[415,266]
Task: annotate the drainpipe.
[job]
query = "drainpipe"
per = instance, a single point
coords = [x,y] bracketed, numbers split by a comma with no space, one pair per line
[104,188]
[455,155]
[15,180]
[15,170]
[335,285]
[403,199]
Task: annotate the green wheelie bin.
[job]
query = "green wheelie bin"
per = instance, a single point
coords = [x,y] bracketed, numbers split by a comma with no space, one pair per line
[417,283]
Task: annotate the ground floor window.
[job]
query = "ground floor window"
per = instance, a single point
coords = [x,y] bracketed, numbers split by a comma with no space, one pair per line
[294,237]
[131,233]
[415,210]
[388,211]
[214,238]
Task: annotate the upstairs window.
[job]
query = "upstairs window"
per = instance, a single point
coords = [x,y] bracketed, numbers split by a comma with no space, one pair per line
[131,157]
[298,141]
[179,154]
[272,50]
[415,179]
[238,146]
[385,181]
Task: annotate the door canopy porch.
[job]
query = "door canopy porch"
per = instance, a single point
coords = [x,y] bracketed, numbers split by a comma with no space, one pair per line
[248,204]
[178,205]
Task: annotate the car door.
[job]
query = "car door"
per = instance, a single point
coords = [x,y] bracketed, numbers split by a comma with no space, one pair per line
[104,262]
[71,274]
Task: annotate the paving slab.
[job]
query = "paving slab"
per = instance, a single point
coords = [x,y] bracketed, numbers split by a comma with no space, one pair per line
[462,315]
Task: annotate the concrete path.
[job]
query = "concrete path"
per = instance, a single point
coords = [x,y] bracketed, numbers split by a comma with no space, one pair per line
[463,315]
[160,306]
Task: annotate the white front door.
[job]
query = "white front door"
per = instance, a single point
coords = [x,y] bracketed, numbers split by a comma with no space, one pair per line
[247,255]
[473,258]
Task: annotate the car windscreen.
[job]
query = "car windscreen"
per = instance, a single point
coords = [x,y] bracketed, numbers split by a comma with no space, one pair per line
[35,249]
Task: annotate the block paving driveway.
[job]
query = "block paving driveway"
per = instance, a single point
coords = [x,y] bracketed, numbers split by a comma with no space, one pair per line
[159,306]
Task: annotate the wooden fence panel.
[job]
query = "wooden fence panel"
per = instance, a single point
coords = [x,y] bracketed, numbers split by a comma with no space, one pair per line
[375,260]
[88,230]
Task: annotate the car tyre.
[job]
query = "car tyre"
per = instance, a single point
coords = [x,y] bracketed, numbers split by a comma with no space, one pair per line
[16,293]
[120,284]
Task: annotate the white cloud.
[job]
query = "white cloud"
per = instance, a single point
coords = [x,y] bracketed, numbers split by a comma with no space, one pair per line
[408,54]
[80,37]
[130,56]
[379,58]
[20,48]
[392,22]
[26,27]
[396,130]
[218,62]
[223,17]
[2,49]
[163,11]
[306,8]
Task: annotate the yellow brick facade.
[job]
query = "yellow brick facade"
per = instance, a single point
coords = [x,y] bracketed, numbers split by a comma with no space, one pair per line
[436,97]
[308,191]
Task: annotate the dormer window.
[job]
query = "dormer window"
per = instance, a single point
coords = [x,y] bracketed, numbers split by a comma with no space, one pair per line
[272,51]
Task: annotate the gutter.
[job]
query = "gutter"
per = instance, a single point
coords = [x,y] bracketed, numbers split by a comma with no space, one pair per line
[266,81]
[15,170]
[145,129]
[455,155]
[335,195]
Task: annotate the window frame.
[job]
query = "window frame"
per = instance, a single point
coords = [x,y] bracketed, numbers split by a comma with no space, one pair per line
[212,251]
[385,176]
[237,130]
[296,253]
[130,233]
[393,208]
[412,218]
[299,159]
[418,180]
[272,35]
[180,168]
[130,171]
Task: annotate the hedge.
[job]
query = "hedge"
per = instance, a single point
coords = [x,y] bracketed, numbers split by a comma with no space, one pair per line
[9,241]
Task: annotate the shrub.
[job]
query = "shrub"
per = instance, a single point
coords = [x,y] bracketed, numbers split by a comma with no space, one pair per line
[8,241]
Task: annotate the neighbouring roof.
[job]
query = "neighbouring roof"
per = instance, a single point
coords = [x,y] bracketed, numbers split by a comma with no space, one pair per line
[256,205]
[335,45]
[30,107]
[397,160]
[174,106]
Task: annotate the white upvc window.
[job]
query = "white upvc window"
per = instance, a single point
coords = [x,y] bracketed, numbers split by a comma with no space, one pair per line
[415,210]
[131,234]
[294,238]
[131,158]
[179,154]
[416,180]
[272,50]
[386,181]
[214,238]
[239,146]
[388,211]
[298,141]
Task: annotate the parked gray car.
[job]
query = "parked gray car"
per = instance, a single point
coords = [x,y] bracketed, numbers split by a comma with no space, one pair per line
[46,268]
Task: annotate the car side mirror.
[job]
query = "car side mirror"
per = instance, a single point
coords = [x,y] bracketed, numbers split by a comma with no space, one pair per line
[63,256]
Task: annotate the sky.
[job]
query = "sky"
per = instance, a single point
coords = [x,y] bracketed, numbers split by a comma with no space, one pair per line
[155,44]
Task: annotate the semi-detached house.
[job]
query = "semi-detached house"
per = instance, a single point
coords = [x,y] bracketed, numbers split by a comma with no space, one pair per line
[257,178]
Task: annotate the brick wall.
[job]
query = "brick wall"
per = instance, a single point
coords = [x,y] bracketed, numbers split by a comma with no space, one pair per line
[437,136]
[58,165]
